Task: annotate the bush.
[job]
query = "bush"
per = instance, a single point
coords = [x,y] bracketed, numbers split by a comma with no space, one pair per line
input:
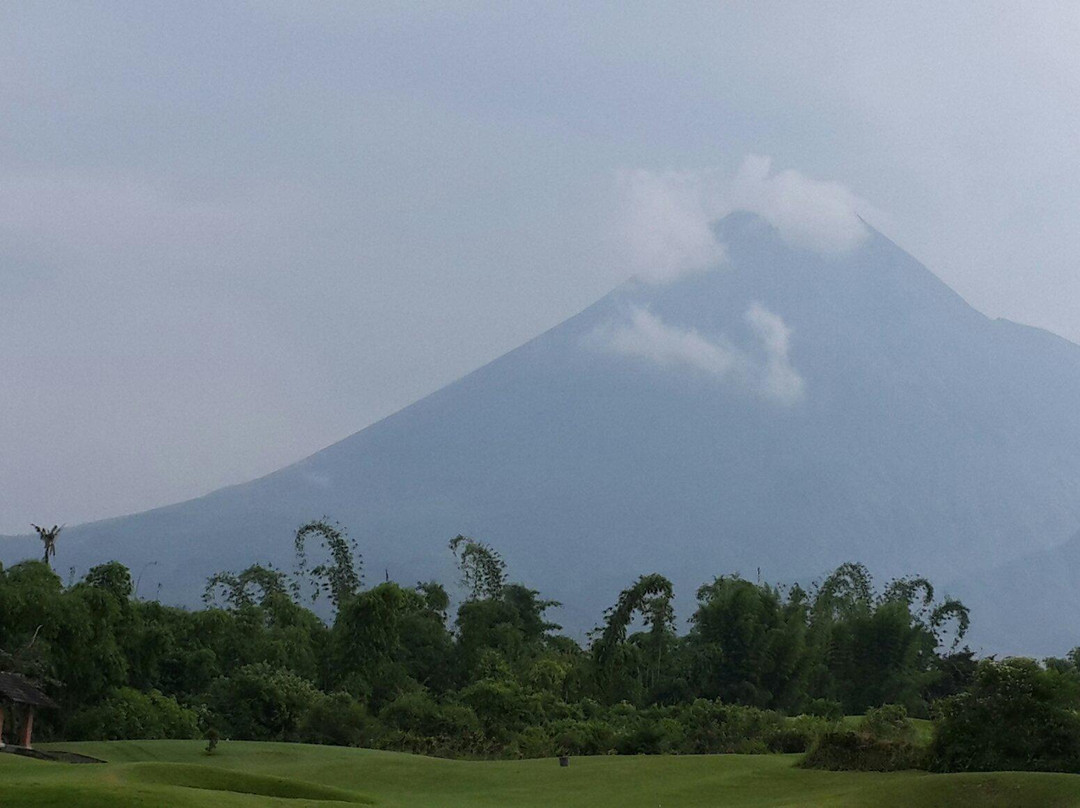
[809,727]
[131,715]
[418,712]
[532,742]
[799,733]
[844,750]
[825,708]
[883,741]
[592,736]
[887,723]
[336,720]
[261,703]
[651,736]
[789,740]
[417,723]
[712,727]
[1016,716]
[502,706]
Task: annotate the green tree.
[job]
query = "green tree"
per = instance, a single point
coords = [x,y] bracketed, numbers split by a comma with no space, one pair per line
[113,577]
[48,536]
[130,714]
[483,572]
[511,626]
[867,650]
[366,643]
[258,703]
[236,589]
[748,644]
[629,670]
[339,577]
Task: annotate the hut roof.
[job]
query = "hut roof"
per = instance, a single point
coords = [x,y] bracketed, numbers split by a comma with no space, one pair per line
[15,688]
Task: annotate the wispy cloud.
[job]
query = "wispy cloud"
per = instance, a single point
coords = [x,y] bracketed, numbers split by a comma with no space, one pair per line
[665,225]
[764,368]
[778,379]
[648,337]
[816,215]
[666,218]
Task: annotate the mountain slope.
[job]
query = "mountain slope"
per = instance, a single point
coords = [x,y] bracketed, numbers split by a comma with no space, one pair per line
[788,412]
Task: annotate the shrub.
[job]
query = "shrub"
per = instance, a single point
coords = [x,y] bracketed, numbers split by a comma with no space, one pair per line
[887,723]
[417,723]
[1015,716]
[336,719]
[789,740]
[844,750]
[532,742]
[418,712]
[825,708]
[650,736]
[809,727]
[592,736]
[502,706]
[260,703]
[712,727]
[129,714]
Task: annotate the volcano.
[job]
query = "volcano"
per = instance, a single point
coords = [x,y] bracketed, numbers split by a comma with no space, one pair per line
[776,415]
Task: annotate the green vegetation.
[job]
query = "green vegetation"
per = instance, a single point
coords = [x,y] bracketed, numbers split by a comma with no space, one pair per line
[1016,714]
[177,773]
[884,740]
[762,670]
[391,671]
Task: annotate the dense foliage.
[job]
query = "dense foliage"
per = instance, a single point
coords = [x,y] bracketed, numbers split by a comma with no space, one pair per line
[391,669]
[1016,715]
[882,741]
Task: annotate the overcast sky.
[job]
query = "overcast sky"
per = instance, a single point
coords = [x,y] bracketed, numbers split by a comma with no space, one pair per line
[231,234]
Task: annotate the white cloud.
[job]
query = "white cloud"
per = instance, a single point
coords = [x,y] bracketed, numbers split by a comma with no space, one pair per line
[809,213]
[765,370]
[649,337]
[665,225]
[780,380]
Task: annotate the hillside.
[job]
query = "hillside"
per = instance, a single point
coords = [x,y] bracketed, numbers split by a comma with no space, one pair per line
[785,412]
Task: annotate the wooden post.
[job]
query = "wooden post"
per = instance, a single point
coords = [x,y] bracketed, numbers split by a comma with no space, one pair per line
[1,726]
[28,726]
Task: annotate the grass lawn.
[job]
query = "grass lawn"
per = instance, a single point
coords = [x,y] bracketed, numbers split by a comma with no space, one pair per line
[178,773]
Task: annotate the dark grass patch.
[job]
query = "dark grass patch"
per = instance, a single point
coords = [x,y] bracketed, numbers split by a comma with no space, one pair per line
[210,778]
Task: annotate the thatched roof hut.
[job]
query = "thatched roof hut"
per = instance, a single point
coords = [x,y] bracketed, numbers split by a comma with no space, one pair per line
[17,690]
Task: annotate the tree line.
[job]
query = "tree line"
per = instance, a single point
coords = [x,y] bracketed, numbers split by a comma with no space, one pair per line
[760,667]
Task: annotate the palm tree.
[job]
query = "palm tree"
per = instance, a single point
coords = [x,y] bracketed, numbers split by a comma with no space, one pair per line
[48,538]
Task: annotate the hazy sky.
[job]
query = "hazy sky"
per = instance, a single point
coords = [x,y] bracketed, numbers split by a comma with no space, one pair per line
[231,234]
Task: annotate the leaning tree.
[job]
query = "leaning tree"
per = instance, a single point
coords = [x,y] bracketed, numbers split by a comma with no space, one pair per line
[650,597]
[341,575]
[483,571]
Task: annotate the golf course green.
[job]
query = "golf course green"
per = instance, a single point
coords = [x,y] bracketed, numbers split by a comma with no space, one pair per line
[180,773]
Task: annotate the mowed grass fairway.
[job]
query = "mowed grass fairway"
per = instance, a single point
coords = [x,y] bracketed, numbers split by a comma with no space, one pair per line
[179,773]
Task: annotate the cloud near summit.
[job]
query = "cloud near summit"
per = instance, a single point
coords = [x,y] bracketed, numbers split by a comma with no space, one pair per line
[666,218]
[765,369]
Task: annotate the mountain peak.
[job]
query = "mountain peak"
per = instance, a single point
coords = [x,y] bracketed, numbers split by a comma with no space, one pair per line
[789,410]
